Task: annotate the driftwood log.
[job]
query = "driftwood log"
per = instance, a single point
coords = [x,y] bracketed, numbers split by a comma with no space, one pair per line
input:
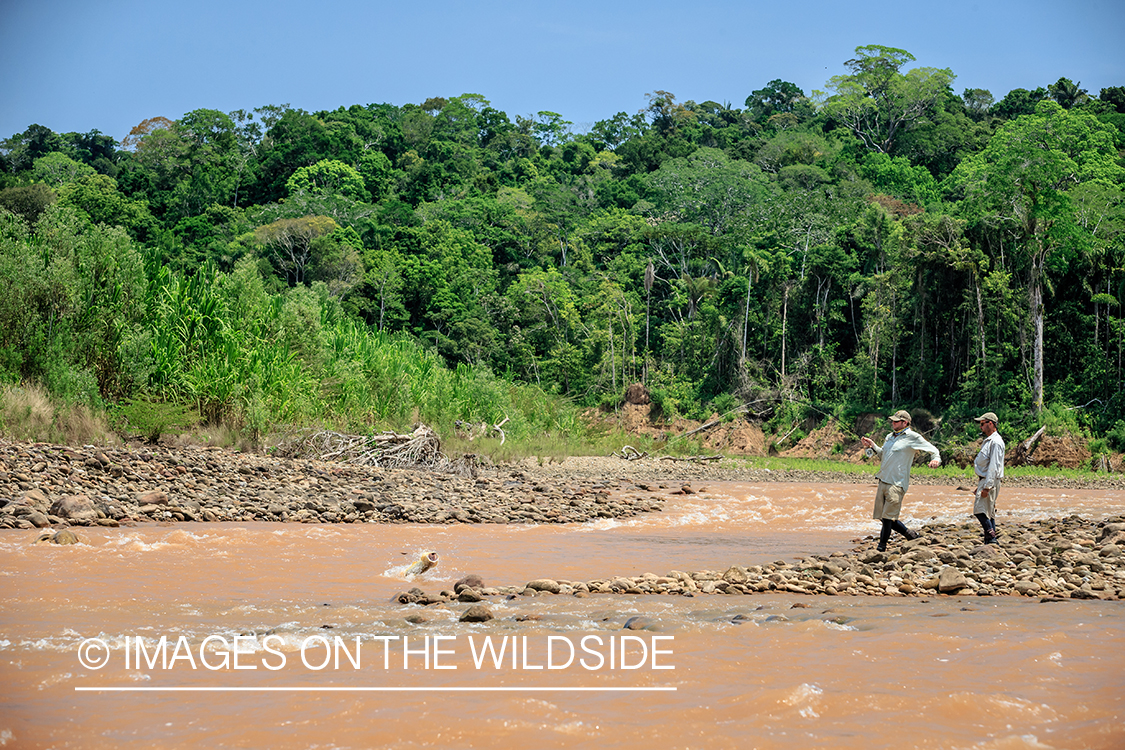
[691,459]
[629,453]
[388,450]
[1022,454]
[473,431]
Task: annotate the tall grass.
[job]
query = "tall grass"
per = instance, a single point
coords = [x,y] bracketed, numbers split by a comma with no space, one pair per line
[28,413]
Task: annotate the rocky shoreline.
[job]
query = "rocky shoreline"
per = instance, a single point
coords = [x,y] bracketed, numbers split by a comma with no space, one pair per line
[43,486]
[1053,559]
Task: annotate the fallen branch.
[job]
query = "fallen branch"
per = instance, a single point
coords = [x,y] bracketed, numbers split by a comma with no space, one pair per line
[1023,451]
[629,453]
[737,410]
[781,439]
[482,429]
[388,450]
[707,426]
[692,459]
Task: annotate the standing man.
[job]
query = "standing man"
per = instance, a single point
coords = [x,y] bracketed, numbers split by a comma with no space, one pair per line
[897,455]
[989,466]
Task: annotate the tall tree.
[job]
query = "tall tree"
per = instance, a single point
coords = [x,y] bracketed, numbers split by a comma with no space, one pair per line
[1068,93]
[1018,186]
[709,188]
[289,243]
[779,96]
[876,101]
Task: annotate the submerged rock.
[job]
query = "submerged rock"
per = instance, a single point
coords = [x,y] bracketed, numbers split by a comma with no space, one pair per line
[476,613]
[62,536]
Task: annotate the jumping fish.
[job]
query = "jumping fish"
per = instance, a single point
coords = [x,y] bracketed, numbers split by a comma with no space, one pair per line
[424,563]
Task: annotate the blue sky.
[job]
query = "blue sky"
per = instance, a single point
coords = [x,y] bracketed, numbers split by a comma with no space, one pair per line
[108,64]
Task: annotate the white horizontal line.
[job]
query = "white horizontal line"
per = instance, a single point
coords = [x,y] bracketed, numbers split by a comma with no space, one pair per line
[370,689]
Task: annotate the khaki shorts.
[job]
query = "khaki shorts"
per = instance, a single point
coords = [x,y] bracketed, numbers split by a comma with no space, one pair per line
[888,501]
[987,505]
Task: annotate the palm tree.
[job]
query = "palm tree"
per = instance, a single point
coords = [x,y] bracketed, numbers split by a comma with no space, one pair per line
[1067,93]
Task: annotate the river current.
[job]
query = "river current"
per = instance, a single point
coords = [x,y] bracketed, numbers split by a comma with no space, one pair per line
[285,635]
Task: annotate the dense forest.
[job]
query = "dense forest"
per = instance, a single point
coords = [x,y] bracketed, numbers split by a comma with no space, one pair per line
[884,242]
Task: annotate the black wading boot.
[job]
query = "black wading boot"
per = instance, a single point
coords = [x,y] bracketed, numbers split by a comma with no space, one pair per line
[900,527]
[884,535]
[989,527]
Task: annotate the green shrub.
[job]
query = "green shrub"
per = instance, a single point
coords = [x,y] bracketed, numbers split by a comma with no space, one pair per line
[144,418]
[1116,436]
[724,403]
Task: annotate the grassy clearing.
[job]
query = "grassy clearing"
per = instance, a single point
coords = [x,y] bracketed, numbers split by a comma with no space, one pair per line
[952,471]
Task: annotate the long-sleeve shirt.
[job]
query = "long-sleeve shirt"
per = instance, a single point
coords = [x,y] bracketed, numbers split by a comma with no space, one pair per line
[897,455]
[989,463]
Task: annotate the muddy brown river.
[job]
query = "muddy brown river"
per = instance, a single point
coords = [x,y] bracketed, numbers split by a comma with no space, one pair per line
[263,635]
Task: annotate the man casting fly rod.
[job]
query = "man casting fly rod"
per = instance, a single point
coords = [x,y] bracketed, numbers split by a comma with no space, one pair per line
[896,456]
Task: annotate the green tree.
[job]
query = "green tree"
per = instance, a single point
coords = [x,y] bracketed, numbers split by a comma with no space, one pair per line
[1068,93]
[666,114]
[779,96]
[708,188]
[449,279]
[21,150]
[289,243]
[611,133]
[328,176]
[977,102]
[56,168]
[28,201]
[1018,102]
[876,101]
[382,289]
[1114,95]
[98,197]
[1019,185]
[548,314]
[551,128]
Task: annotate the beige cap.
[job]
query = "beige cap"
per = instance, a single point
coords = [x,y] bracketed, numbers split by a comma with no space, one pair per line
[986,417]
[900,416]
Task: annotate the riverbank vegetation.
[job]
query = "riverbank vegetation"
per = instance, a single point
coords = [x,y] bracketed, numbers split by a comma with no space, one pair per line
[886,242]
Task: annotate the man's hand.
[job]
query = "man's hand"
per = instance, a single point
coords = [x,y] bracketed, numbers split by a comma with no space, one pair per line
[935,463]
[867,442]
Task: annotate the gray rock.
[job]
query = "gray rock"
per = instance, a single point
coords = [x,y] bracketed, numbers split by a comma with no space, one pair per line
[544,584]
[77,508]
[62,536]
[1110,529]
[35,499]
[152,497]
[37,519]
[951,580]
[736,574]
[1083,593]
[471,581]
[476,613]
